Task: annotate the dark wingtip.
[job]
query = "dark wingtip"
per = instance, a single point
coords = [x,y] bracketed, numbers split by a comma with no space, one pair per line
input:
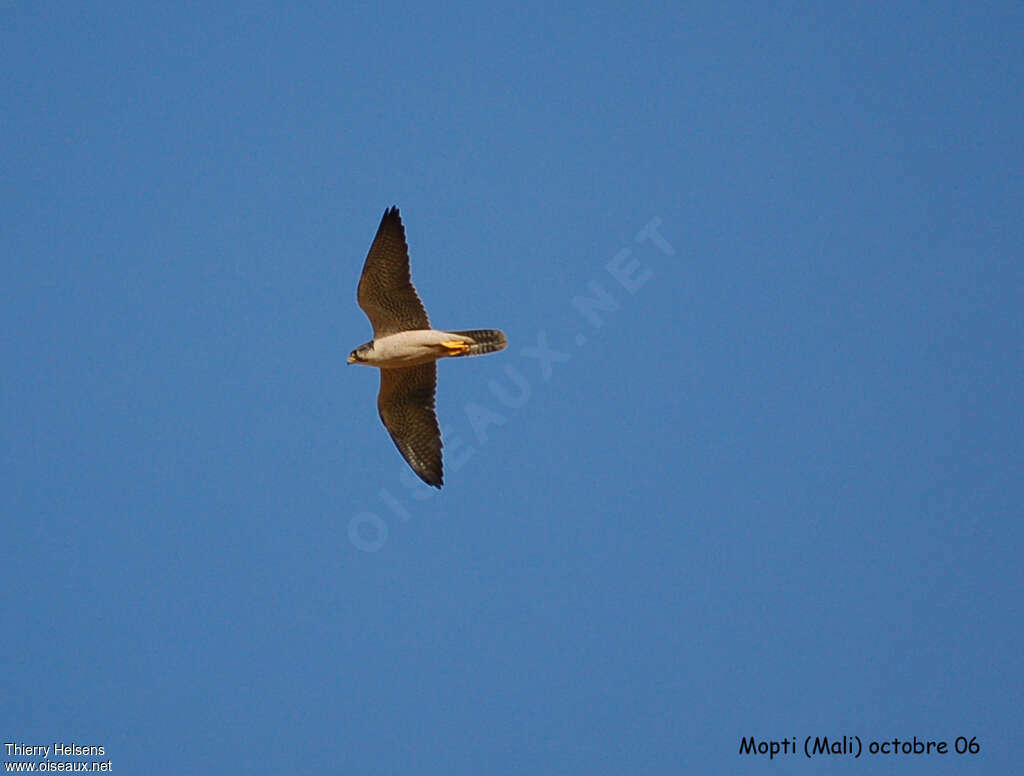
[391,216]
[430,481]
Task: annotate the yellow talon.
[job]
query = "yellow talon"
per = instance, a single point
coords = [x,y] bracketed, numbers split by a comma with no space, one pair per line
[455,347]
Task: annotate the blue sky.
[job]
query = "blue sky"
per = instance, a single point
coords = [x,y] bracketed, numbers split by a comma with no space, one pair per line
[770,487]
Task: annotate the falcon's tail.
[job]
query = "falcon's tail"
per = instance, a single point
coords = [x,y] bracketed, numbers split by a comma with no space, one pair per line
[484,341]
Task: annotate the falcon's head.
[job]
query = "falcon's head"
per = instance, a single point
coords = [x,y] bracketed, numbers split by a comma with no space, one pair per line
[359,355]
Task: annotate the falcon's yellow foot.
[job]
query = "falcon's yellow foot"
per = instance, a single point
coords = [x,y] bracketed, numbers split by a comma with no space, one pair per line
[455,347]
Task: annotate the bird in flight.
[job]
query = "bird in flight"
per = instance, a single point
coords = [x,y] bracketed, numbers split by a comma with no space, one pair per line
[405,348]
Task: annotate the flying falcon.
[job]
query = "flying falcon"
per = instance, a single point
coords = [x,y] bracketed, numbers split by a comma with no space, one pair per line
[405,348]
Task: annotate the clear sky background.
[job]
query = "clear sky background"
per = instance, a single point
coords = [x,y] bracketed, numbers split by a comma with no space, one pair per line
[770,487]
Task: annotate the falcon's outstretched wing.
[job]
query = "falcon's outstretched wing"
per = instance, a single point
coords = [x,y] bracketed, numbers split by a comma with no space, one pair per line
[406,405]
[385,290]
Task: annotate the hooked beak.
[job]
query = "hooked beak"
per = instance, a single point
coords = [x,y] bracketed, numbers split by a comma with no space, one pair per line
[351,358]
